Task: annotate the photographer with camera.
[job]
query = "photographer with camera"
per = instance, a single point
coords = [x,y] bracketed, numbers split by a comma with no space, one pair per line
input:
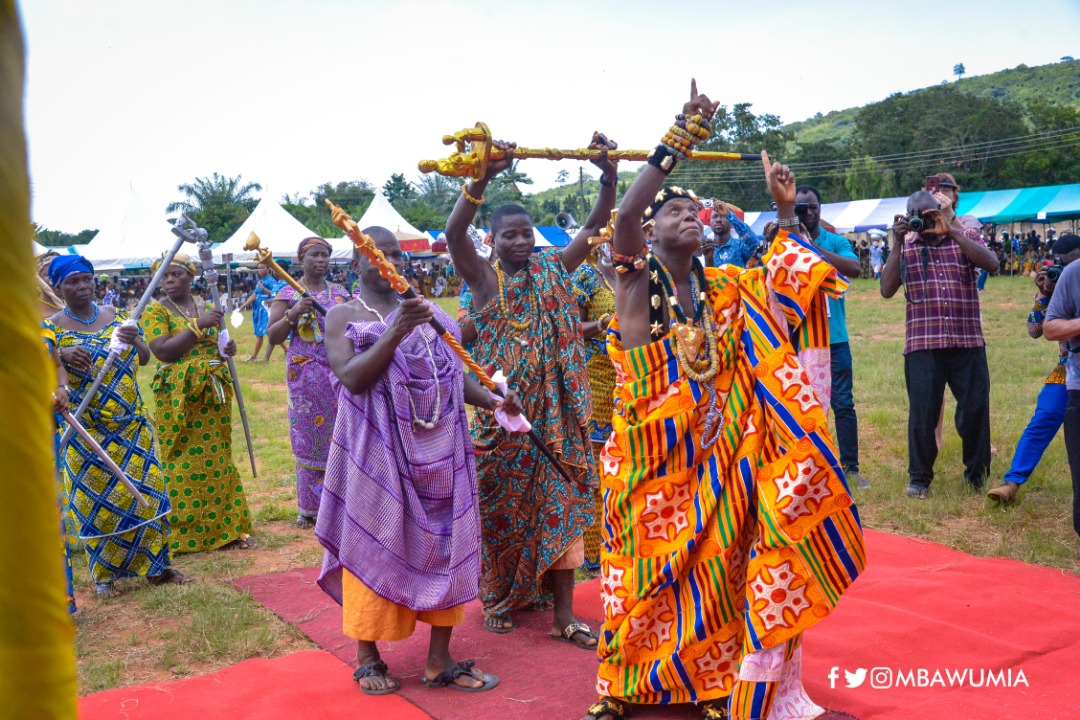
[937,261]
[1062,323]
[838,252]
[1050,405]
[722,248]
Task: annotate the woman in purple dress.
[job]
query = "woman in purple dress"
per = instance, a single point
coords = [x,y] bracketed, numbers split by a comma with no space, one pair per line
[312,402]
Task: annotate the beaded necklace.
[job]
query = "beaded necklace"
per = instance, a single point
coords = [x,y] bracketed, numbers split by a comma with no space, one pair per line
[417,422]
[520,326]
[689,338]
[87,323]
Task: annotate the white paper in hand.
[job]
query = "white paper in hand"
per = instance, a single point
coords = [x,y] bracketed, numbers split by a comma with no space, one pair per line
[236,319]
[510,423]
[115,344]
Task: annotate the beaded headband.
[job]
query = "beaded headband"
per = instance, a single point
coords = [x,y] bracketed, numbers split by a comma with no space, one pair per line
[666,194]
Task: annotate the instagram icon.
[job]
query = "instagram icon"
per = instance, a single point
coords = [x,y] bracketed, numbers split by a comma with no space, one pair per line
[881,678]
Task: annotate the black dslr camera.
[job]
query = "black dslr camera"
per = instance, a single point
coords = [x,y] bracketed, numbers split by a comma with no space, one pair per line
[1053,272]
[918,223]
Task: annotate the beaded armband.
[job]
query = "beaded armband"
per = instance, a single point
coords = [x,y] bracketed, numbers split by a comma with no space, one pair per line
[629,263]
[475,201]
[792,222]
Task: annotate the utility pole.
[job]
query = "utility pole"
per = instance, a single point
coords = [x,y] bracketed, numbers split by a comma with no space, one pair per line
[581,191]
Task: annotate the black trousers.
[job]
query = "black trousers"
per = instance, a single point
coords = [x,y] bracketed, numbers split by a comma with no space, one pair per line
[965,372]
[1072,447]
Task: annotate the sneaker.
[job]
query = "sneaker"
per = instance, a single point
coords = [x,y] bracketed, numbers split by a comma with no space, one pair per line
[855,478]
[919,492]
[1004,493]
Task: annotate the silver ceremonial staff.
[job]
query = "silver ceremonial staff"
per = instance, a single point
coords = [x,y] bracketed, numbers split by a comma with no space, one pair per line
[104,456]
[210,274]
[116,347]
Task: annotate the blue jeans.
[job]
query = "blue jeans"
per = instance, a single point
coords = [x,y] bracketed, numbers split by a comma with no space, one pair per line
[843,407]
[1044,425]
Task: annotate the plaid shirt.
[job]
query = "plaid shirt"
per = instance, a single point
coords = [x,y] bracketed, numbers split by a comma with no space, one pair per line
[942,294]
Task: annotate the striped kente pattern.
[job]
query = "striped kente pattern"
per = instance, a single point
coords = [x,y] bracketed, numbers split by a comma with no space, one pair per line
[711,555]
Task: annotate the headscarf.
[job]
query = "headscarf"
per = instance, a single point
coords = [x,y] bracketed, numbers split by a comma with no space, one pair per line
[64,266]
[307,243]
[180,259]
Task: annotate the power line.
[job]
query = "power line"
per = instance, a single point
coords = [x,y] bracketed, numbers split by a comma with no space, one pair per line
[941,157]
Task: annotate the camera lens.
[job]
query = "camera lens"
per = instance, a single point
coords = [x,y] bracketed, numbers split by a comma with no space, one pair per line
[916,224]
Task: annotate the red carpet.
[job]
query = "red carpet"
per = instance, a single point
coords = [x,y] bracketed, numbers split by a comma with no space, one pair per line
[919,605]
[304,684]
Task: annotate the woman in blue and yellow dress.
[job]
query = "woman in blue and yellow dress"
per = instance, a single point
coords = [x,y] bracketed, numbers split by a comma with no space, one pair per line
[121,538]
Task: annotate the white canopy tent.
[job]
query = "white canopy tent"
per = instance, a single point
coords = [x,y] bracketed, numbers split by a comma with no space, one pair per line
[382,214]
[279,232]
[135,241]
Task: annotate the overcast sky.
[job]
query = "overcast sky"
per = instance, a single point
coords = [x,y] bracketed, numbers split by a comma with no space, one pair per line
[152,94]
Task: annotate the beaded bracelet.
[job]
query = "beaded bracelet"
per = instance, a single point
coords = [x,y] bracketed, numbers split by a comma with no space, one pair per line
[792,222]
[628,263]
[607,184]
[475,201]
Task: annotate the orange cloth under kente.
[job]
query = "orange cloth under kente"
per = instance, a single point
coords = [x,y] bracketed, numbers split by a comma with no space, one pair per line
[369,617]
[717,559]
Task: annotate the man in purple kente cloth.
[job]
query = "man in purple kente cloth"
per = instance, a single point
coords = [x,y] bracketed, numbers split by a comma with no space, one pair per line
[399,517]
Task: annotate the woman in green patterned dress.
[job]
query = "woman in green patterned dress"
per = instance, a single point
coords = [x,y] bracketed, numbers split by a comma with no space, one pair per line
[194,417]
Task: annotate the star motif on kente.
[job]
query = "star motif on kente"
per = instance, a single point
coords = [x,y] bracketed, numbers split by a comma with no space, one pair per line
[610,585]
[794,376]
[665,517]
[750,428]
[610,463]
[794,260]
[669,392]
[655,627]
[773,597]
[798,486]
[720,662]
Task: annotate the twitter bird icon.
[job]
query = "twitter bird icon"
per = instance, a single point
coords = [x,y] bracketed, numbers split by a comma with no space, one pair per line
[855,679]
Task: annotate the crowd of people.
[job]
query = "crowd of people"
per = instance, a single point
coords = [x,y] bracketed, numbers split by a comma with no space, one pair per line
[660,420]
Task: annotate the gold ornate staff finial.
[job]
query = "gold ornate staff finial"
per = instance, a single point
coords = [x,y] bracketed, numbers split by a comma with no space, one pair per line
[265,257]
[607,232]
[475,149]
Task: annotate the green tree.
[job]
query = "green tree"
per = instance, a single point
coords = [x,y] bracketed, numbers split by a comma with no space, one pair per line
[57,238]
[958,70]
[1056,159]
[736,130]
[936,129]
[219,204]
[398,189]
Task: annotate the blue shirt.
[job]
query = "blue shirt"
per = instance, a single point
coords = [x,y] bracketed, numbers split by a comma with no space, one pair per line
[1065,305]
[837,245]
[737,250]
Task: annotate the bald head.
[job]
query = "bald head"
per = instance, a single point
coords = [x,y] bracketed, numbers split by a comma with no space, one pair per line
[921,202]
[384,240]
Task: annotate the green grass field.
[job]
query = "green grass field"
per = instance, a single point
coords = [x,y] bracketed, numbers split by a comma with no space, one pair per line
[154,634]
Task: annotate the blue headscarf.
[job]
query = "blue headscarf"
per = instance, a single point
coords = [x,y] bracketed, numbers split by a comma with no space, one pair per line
[64,266]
